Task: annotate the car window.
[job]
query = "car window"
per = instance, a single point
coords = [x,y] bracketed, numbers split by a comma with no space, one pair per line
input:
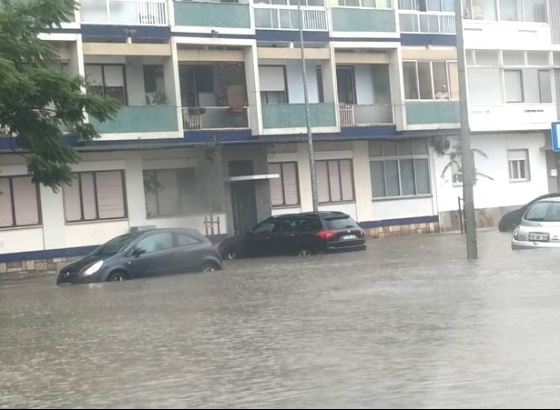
[341,222]
[185,240]
[156,242]
[115,245]
[309,224]
[265,226]
[285,225]
[546,211]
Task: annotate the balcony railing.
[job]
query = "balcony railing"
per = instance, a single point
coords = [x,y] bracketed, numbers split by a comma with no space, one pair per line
[427,22]
[132,12]
[210,118]
[287,18]
[293,115]
[140,119]
[362,114]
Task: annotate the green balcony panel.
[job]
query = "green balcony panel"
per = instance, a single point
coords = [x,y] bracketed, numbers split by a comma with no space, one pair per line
[432,112]
[151,118]
[293,115]
[212,15]
[365,20]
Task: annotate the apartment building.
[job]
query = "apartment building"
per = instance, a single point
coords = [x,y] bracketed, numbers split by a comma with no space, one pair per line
[384,103]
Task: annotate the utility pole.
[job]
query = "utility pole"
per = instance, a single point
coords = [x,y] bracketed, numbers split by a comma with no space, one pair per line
[310,150]
[467,158]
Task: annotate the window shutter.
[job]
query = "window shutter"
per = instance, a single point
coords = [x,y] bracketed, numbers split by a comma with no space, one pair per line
[336,194]
[347,180]
[5,203]
[71,194]
[110,195]
[272,78]
[291,183]
[276,194]
[25,201]
[88,196]
[322,181]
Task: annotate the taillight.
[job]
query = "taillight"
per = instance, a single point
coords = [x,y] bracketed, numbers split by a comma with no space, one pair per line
[326,234]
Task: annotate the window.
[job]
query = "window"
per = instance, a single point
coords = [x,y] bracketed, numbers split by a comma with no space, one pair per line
[107,80]
[399,169]
[155,243]
[544,211]
[273,84]
[320,88]
[284,191]
[19,202]
[335,180]
[346,81]
[514,86]
[186,240]
[95,196]
[428,80]
[265,226]
[524,10]
[172,192]
[545,89]
[154,83]
[518,165]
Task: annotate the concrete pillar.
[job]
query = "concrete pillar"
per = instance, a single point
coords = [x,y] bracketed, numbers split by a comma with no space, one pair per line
[362,181]
[253,87]
[396,79]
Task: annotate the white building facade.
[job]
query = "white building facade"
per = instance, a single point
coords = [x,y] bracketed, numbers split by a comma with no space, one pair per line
[225,77]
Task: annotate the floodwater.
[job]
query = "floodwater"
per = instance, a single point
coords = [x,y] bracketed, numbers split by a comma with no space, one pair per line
[407,324]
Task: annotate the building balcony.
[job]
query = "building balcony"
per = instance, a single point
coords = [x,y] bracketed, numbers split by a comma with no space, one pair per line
[277,116]
[427,22]
[214,118]
[213,14]
[511,117]
[351,19]
[443,113]
[125,12]
[140,119]
[280,17]
[352,115]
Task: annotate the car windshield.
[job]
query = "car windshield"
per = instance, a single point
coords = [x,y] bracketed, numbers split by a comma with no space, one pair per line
[544,211]
[341,222]
[115,245]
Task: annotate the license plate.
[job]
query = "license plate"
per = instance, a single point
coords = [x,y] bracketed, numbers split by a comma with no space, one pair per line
[347,237]
[539,237]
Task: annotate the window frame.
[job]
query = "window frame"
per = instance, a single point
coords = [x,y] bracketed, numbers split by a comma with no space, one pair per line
[96,197]
[14,224]
[284,204]
[398,157]
[264,93]
[521,85]
[103,86]
[446,64]
[158,214]
[338,161]
[519,162]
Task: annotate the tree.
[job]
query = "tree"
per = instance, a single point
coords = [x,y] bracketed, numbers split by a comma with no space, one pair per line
[454,154]
[38,98]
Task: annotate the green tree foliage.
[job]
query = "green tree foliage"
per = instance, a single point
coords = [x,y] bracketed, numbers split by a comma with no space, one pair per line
[38,98]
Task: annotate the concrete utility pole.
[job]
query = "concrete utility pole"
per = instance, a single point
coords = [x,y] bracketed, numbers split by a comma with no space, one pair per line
[310,150]
[467,154]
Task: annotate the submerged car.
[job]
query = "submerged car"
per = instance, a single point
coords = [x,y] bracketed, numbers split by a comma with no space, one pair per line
[153,252]
[513,218]
[297,234]
[540,226]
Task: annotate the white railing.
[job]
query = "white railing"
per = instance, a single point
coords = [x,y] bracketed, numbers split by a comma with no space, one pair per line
[208,118]
[366,114]
[130,12]
[427,22]
[287,18]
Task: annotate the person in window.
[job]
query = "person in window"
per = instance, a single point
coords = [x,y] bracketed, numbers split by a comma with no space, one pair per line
[442,94]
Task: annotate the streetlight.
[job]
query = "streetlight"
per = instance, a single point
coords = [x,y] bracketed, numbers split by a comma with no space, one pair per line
[310,150]
[467,157]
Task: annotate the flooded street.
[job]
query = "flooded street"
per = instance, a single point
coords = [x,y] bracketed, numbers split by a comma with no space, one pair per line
[409,323]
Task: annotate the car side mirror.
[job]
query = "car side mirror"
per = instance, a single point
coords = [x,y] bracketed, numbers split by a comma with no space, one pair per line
[137,252]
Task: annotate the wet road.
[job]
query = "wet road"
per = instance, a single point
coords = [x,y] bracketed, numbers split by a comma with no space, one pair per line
[409,323]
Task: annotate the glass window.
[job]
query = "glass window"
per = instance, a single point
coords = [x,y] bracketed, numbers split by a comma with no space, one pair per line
[404,174]
[510,10]
[335,180]
[310,224]
[518,165]
[544,211]
[514,86]
[545,87]
[107,80]
[440,80]
[265,226]
[284,191]
[186,240]
[425,80]
[95,196]
[410,80]
[155,243]
[19,202]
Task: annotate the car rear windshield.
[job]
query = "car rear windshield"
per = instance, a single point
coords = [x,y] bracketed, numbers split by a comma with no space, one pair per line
[341,222]
[544,211]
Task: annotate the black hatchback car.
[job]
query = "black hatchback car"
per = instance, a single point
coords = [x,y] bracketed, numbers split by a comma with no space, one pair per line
[153,252]
[297,234]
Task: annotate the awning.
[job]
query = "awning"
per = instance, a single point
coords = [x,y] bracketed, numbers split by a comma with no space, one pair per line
[252,177]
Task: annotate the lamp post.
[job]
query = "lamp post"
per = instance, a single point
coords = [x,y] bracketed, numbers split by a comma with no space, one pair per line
[311,152]
[467,157]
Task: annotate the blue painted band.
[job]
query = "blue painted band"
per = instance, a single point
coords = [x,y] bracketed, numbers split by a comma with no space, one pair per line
[399,221]
[46,254]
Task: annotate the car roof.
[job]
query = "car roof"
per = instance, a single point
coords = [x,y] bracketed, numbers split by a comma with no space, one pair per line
[183,230]
[552,198]
[324,214]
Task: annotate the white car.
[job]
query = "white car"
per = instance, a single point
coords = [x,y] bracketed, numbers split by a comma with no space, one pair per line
[540,226]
